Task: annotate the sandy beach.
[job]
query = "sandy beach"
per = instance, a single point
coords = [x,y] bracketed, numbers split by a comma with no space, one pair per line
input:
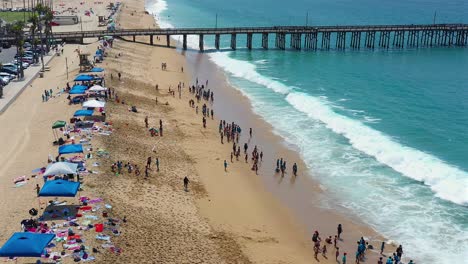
[232,216]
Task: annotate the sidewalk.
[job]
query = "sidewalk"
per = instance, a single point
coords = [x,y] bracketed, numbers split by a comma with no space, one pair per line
[15,87]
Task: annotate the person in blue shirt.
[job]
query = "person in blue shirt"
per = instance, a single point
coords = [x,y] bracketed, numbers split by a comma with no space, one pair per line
[389,260]
[343,260]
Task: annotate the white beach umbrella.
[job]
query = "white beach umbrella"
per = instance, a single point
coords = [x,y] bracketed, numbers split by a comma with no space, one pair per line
[61,168]
[97,88]
[94,104]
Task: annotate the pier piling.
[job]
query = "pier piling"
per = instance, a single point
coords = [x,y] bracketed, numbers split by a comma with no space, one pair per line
[249,41]
[200,42]
[184,42]
[217,39]
[233,41]
[265,40]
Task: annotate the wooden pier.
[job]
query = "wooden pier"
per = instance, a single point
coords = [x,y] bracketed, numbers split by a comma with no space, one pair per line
[301,37]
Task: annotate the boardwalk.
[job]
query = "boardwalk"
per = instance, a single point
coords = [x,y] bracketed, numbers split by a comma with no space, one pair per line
[301,37]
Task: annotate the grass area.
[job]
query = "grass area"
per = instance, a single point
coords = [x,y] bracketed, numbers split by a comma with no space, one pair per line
[9,16]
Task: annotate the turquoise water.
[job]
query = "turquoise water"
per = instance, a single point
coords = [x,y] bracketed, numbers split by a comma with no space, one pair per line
[384,131]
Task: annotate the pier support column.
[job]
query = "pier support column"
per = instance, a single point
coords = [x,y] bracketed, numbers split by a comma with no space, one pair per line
[296,41]
[355,40]
[151,40]
[341,40]
[399,39]
[134,38]
[384,41]
[326,40]
[184,42]
[233,41]
[200,43]
[217,38]
[310,41]
[168,40]
[265,40]
[280,41]
[249,41]
[370,39]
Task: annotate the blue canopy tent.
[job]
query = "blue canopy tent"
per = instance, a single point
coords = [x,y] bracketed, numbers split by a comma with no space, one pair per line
[78,89]
[83,112]
[96,69]
[83,78]
[26,245]
[70,149]
[59,188]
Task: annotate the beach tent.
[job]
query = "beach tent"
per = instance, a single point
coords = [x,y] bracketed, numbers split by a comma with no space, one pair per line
[96,69]
[83,112]
[70,149]
[83,78]
[59,188]
[56,125]
[61,168]
[78,89]
[94,104]
[59,124]
[97,88]
[26,245]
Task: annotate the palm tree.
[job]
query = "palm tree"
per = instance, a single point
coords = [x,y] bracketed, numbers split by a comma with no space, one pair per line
[34,20]
[46,16]
[17,30]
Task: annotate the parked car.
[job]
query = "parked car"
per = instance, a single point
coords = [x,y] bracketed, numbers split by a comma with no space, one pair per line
[9,71]
[25,64]
[7,75]
[4,81]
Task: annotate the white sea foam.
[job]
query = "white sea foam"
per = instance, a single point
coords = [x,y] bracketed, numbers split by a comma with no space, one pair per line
[246,70]
[446,181]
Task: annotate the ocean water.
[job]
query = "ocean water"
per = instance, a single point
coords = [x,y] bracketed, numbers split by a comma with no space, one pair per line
[385,132]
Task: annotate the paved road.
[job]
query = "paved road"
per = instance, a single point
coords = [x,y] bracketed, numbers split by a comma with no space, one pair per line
[7,55]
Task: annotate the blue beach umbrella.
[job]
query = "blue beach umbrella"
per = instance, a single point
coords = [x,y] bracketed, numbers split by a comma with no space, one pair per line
[83,112]
[59,188]
[70,149]
[26,245]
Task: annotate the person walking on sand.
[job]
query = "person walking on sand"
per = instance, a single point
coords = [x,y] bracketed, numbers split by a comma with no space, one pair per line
[343,259]
[157,164]
[250,132]
[324,251]
[232,155]
[225,164]
[146,121]
[316,251]
[337,254]
[380,261]
[146,172]
[120,75]
[335,240]
[340,230]
[38,189]
[246,157]
[382,247]
[186,182]
[294,169]
[148,163]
